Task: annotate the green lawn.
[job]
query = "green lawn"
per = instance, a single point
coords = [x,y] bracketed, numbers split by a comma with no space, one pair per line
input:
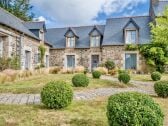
[146,77]
[35,84]
[83,113]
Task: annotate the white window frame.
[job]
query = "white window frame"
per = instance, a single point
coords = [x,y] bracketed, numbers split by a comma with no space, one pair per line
[71,42]
[95,41]
[1,46]
[127,39]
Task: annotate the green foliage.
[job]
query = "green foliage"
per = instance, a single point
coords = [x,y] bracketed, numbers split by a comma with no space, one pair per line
[133,109]
[96,74]
[9,63]
[161,88]
[56,95]
[120,71]
[110,64]
[156,76]
[19,8]
[157,52]
[131,47]
[80,80]
[124,77]
[42,50]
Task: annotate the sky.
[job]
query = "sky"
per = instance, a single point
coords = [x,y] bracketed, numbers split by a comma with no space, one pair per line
[68,13]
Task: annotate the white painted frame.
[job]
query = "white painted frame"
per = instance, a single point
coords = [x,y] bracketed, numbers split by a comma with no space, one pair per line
[65,59]
[90,60]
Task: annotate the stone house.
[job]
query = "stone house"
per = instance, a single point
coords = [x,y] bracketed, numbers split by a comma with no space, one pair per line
[90,46]
[22,39]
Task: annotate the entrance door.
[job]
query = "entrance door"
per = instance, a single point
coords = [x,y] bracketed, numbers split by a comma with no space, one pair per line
[27,60]
[70,61]
[95,61]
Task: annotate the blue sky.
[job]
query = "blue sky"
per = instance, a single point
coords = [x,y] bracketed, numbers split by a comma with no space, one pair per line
[62,13]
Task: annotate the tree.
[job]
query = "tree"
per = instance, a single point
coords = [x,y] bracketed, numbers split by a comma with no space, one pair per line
[19,8]
[156,53]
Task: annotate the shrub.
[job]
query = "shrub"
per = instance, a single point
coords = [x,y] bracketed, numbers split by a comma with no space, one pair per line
[161,88]
[156,76]
[102,70]
[56,95]
[124,77]
[110,65]
[3,78]
[96,74]
[80,80]
[120,71]
[54,70]
[133,109]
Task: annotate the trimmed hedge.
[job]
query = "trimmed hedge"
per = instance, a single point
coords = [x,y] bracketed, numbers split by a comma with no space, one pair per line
[156,76]
[161,88]
[56,95]
[96,74]
[133,109]
[124,77]
[80,80]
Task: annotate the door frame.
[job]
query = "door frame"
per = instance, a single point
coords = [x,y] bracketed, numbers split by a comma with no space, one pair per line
[90,60]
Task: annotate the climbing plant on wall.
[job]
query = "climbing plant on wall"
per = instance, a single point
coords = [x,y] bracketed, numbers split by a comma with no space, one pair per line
[156,53]
[42,50]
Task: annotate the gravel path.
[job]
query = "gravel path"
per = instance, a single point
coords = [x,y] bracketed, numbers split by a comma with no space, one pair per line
[142,87]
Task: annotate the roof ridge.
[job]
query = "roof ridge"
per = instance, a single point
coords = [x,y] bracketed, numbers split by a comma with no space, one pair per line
[77,26]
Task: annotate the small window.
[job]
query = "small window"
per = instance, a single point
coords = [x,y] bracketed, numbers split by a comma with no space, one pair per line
[95,41]
[70,61]
[1,46]
[131,61]
[71,42]
[131,36]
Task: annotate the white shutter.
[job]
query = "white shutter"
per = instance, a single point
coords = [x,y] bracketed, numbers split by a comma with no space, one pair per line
[1,47]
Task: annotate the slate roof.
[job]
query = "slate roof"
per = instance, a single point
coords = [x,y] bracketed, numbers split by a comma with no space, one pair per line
[56,36]
[35,25]
[159,7]
[11,21]
[114,33]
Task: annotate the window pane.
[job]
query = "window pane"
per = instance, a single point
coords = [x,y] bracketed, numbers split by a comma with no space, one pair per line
[130,61]
[95,41]
[131,37]
[71,61]
[71,42]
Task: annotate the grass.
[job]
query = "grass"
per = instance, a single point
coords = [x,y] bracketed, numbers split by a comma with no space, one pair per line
[146,77]
[82,113]
[35,84]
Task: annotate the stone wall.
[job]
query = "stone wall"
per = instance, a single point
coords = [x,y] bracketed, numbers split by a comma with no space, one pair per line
[83,56]
[15,43]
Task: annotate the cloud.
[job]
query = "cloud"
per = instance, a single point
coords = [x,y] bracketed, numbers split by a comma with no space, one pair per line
[82,12]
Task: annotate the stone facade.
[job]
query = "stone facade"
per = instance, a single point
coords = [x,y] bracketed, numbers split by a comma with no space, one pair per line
[16,43]
[83,56]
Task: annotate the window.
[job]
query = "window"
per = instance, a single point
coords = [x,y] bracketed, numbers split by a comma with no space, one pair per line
[70,42]
[131,61]
[1,46]
[131,36]
[70,61]
[95,41]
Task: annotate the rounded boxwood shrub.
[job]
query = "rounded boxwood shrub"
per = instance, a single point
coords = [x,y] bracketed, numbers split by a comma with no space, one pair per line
[80,80]
[124,77]
[156,76]
[56,95]
[161,88]
[96,74]
[133,109]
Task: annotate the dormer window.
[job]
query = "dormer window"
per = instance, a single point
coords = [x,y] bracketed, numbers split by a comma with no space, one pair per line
[70,42]
[131,36]
[95,41]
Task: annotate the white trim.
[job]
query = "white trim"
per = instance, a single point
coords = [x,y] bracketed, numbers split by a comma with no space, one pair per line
[65,59]
[132,52]
[1,46]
